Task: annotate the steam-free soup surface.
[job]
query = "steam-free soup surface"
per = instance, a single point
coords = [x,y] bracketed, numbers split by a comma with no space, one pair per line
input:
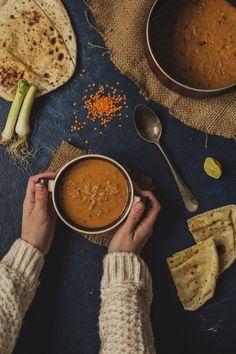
[195,42]
[94,193]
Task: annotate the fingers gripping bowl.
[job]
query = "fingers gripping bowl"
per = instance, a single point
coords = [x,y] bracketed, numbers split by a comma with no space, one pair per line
[92,194]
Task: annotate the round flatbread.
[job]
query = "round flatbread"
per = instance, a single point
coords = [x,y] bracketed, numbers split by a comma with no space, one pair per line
[194,272]
[57,13]
[32,48]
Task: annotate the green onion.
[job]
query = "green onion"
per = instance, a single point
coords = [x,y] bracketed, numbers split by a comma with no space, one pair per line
[8,132]
[22,128]
[19,149]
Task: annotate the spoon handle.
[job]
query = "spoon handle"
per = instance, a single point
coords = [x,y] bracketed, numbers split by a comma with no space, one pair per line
[188,198]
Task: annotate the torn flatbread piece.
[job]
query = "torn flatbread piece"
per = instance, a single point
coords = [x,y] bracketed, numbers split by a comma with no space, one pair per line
[219,224]
[194,272]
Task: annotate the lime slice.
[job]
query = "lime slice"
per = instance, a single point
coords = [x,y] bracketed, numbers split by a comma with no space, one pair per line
[212,167]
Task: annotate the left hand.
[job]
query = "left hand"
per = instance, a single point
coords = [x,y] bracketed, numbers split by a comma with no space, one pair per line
[39,216]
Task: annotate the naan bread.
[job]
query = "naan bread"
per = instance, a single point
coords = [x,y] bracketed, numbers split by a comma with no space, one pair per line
[57,13]
[219,224]
[32,48]
[194,272]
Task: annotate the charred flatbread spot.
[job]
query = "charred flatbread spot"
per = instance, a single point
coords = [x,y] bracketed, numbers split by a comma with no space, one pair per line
[34,43]
[9,76]
[70,37]
[53,40]
[4,44]
[33,17]
[46,75]
[25,13]
[51,52]
[61,56]
[12,16]
[57,49]
[51,28]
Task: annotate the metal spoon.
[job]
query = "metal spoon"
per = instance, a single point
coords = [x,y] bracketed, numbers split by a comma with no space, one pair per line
[149,128]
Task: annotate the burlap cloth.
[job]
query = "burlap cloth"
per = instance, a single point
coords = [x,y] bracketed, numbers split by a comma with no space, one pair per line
[65,153]
[122,24]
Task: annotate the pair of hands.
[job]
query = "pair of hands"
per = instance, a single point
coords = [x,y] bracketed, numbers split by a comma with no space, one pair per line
[39,219]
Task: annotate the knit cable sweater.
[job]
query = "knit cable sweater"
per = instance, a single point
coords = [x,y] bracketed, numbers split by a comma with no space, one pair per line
[126,293]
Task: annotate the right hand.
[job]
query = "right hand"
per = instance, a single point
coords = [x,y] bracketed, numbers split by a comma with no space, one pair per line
[136,230]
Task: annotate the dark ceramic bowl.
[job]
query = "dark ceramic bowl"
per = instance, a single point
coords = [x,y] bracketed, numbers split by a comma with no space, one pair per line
[166,79]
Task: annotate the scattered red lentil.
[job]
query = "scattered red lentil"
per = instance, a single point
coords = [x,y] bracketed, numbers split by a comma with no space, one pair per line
[104,104]
[82,72]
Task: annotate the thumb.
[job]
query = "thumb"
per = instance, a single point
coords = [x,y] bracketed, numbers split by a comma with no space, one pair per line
[134,216]
[41,197]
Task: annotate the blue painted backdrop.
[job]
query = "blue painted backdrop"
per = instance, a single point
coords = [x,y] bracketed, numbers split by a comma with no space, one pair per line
[64,315]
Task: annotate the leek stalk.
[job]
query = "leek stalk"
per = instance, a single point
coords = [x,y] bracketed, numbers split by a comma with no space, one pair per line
[8,132]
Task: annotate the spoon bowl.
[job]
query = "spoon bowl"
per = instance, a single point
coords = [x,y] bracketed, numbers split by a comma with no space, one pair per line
[147,124]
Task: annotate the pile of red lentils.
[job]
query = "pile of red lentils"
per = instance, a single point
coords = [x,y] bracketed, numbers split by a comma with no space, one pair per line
[103,104]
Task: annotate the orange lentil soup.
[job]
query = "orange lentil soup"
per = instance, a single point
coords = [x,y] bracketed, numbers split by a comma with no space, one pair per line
[93,193]
[195,42]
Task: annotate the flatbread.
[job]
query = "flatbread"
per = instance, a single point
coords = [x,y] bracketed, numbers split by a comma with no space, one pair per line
[32,48]
[57,13]
[194,272]
[219,224]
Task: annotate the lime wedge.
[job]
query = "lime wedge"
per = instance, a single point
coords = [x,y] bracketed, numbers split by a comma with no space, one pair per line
[212,167]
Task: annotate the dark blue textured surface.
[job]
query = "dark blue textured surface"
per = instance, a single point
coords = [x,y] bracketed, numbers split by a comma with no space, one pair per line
[64,315]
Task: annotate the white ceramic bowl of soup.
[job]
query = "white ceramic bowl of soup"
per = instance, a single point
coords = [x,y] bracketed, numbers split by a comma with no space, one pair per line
[92,194]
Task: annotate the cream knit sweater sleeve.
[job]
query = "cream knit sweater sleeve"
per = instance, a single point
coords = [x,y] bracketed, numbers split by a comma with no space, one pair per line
[126,293]
[19,271]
